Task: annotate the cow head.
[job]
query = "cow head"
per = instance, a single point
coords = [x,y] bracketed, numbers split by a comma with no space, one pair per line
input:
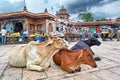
[57,42]
[92,41]
[88,58]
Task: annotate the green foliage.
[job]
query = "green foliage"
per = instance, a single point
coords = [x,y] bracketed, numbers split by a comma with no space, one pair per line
[102,19]
[86,17]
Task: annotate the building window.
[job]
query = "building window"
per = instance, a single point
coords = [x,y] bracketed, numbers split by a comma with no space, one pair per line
[30,27]
[39,27]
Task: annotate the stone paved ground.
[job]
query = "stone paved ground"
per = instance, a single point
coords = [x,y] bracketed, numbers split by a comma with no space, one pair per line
[108,68]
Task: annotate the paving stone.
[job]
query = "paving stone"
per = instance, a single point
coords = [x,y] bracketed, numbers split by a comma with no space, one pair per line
[115,70]
[59,77]
[55,70]
[33,75]
[111,58]
[71,78]
[100,63]
[82,72]
[4,49]
[107,61]
[2,67]
[106,75]
[12,73]
[108,68]
[86,77]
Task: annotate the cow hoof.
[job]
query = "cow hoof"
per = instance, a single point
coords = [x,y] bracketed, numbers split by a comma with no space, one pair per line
[97,58]
[73,71]
[78,69]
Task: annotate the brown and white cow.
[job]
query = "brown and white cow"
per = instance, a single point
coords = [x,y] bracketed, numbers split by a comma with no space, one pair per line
[70,60]
[35,56]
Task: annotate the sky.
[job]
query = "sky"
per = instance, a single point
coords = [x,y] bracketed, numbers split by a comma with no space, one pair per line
[100,8]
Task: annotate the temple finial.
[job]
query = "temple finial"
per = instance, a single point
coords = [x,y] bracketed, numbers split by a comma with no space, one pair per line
[25,8]
[46,11]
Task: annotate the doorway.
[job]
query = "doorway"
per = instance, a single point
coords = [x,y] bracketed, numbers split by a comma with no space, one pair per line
[18,27]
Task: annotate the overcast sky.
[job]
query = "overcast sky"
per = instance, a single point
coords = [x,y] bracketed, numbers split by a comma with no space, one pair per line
[100,8]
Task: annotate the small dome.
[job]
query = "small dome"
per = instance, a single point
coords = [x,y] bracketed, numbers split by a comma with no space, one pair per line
[63,10]
[46,11]
[25,8]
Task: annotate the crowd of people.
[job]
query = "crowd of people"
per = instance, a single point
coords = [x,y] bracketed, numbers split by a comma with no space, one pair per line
[61,30]
[64,29]
[4,33]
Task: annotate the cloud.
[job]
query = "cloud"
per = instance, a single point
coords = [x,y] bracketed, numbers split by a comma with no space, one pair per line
[46,1]
[109,10]
[40,5]
[101,8]
[11,6]
[81,5]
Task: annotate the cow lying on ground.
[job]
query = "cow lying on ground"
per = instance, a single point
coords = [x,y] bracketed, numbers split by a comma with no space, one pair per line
[70,60]
[118,35]
[35,56]
[87,43]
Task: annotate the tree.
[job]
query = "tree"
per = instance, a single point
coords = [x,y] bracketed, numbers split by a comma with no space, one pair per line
[86,17]
[102,19]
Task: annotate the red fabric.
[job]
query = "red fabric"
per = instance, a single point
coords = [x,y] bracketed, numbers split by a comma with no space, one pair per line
[98,29]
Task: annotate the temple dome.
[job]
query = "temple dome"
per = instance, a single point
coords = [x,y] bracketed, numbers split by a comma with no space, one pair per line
[63,10]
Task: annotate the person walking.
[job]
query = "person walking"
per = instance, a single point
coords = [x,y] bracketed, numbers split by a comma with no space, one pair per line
[83,34]
[4,32]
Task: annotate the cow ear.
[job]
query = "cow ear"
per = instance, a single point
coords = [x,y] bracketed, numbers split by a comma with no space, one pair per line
[80,55]
[49,43]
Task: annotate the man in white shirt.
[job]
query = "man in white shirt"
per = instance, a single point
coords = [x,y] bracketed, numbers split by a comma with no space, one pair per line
[4,32]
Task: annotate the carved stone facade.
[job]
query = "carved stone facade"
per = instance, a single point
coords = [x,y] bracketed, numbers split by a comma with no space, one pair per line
[24,20]
[62,15]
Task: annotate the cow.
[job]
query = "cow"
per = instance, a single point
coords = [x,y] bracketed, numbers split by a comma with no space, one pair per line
[70,60]
[87,43]
[34,55]
[118,35]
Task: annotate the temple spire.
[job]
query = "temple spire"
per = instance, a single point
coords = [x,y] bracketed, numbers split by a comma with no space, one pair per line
[46,11]
[25,8]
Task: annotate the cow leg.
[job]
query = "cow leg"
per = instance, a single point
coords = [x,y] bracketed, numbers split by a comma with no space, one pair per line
[34,66]
[68,68]
[34,61]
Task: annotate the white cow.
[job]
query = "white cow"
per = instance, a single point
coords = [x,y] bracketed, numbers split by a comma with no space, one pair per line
[35,56]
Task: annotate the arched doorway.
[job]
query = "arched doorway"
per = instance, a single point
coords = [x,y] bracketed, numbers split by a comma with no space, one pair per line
[18,27]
